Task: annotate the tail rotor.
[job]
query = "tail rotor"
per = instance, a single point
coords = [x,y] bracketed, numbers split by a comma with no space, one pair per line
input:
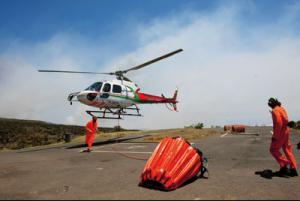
[172,104]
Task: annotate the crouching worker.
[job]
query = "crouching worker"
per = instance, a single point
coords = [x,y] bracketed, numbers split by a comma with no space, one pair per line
[280,140]
[90,129]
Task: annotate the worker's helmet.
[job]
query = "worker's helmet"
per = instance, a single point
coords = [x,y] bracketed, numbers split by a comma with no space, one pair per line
[273,102]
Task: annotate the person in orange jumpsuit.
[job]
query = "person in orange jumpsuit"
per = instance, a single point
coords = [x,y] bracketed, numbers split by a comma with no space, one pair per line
[90,128]
[280,140]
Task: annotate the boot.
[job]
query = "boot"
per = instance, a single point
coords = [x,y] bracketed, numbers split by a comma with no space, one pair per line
[283,172]
[293,172]
[86,151]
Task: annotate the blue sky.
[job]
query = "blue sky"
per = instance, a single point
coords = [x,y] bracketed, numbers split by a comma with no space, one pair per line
[248,50]
[35,20]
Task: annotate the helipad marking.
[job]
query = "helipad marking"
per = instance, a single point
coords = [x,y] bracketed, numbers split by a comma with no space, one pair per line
[241,135]
[224,135]
[136,147]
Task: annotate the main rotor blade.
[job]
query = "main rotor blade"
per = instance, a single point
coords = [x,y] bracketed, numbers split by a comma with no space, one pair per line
[153,60]
[64,71]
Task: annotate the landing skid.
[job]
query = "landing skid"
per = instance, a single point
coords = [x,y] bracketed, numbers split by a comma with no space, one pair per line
[111,113]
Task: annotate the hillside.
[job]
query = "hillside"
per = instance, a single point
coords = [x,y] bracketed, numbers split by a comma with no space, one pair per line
[17,134]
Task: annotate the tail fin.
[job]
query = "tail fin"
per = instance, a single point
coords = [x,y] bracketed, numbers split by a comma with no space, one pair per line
[171,102]
[174,99]
[175,95]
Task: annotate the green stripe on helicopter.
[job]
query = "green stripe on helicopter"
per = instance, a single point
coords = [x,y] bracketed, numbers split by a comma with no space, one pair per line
[136,98]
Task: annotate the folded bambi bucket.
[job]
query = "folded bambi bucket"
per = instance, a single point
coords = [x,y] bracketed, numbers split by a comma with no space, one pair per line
[173,163]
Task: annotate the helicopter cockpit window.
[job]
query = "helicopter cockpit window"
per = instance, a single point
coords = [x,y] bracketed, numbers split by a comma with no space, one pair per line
[95,87]
[117,88]
[106,87]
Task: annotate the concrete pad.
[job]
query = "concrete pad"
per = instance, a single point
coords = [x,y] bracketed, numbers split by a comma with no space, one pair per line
[60,173]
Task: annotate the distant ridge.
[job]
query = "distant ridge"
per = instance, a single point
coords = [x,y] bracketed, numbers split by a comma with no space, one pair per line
[21,133]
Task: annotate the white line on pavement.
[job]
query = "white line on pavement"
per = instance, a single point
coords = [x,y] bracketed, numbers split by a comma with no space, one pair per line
[224,135]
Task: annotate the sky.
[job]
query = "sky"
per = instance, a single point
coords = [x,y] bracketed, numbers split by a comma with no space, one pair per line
[237,54]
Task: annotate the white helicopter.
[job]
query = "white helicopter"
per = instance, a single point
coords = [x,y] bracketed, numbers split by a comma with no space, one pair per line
[114,98]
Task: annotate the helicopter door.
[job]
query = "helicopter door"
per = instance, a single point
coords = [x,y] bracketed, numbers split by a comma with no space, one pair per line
[106,89]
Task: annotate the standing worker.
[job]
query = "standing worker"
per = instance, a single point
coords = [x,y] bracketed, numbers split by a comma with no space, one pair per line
[280,139]
[90,128]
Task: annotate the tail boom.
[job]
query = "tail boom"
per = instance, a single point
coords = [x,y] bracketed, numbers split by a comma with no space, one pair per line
[152,99]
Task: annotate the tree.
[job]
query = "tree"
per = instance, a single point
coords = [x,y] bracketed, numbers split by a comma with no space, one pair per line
[199,126]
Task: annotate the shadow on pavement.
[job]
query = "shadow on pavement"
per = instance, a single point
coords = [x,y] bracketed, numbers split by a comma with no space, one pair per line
[269,174]
[110,141]
[153,185]
[80,145]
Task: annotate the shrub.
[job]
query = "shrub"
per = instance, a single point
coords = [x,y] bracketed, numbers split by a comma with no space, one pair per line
[297,125]
[196,126]
[199,126]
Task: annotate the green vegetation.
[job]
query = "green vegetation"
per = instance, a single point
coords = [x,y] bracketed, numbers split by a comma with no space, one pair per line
[196,126]
[17,134]
[293,124]
[297,125]
[186,133]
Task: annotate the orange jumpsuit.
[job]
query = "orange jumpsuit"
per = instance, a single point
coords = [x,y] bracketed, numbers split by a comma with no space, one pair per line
[90,129]
[280,138]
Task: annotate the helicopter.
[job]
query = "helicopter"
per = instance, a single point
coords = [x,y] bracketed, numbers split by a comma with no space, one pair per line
[119,97]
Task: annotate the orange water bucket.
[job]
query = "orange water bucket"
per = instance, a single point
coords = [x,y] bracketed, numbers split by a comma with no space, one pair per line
[173,162]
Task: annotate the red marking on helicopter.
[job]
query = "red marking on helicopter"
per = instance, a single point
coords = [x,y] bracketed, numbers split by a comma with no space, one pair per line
[148,98]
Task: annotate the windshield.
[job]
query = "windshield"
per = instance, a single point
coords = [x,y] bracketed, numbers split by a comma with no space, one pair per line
[95,87]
